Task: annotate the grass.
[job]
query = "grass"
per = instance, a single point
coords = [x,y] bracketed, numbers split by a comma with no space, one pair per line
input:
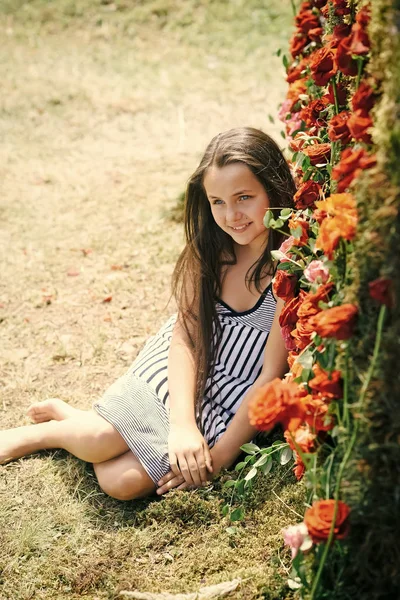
[106,109]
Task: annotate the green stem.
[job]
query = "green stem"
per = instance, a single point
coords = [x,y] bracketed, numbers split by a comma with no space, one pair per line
[346,389]
[349,450]
[360,64]
[293,7]
[335,96]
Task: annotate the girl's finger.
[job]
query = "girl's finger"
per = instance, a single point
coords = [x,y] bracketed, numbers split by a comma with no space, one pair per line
[208,458]
[193,462]
[201,465]
[173,463]
[166,478]
[184,469]
[170,485]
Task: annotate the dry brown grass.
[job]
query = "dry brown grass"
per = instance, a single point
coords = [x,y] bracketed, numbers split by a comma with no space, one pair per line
[104,113]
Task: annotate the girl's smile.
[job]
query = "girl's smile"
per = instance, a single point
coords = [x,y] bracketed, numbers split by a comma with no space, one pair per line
[238,203]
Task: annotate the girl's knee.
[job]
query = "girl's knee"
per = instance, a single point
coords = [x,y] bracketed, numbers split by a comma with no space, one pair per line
[124,487]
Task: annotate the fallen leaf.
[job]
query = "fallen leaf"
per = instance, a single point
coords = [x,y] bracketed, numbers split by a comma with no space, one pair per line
[86,251]
[116,267]
[107,299]
[72,273]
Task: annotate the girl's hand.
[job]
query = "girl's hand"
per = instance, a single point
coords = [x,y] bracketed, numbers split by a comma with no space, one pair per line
[189,455]
[171,481]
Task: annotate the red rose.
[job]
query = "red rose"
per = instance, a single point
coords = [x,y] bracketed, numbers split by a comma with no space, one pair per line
[302,333]
[322,66]
[363,16]
[352,162]
[318,153]
[295,72]
[337,322]
[277,402]
[363,99]
[359,125]
[338,129]
[341,7]
[344,60]
[284,285]
[382,290]
[307,20]
[315,34]
[359,40]
[297,44]
[309,305]
[308,193]
[288,316]
[339,32]
[319,518]
[290,344]
[310,114]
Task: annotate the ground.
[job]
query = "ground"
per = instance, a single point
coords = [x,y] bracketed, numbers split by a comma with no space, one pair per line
[106,109]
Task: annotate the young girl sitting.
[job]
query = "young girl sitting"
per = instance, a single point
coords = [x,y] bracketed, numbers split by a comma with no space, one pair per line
[179,414]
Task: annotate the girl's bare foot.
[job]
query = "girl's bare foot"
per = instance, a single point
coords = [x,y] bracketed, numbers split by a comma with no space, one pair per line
[52,409]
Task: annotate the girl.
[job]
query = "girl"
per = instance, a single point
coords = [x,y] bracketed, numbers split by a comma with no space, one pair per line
[179,414]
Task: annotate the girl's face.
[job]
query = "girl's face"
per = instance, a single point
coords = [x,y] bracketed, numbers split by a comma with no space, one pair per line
[238,203]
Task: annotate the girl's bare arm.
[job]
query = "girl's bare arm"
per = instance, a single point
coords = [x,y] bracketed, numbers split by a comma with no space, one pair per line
[189,454]
[239,431]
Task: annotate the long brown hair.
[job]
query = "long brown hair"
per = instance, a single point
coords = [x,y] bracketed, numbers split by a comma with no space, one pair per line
[196,281]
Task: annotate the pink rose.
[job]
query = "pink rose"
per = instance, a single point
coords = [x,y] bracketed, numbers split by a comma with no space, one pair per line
[297,538]
[317,271]
[285,246]
[292,125]
[285,109]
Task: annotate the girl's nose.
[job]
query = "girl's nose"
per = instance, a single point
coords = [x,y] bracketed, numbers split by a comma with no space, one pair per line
[233,214]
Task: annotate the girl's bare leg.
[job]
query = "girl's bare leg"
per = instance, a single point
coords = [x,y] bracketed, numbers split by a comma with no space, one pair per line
[52,409]
[124,478]
[84,434]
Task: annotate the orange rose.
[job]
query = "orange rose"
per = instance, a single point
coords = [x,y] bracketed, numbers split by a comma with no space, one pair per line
[308,193]
[319,520]
[327,384]
[277,402]
[317,413]
[302,438]
[318,153]
[302,333]
[284,285]
[299,466]
[303,225]
[359,40]
[352,163]
[338,130]
[295,89]
[310,303]
[291,358]
[323,66]
[359,125]
[337,322]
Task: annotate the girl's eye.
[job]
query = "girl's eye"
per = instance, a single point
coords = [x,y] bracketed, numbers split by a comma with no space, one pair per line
[244,197]
[217,201]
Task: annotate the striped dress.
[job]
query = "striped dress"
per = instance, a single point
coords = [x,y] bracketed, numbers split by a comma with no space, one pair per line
[137,404]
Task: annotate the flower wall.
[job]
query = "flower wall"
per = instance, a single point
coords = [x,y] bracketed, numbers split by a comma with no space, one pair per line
[338,275]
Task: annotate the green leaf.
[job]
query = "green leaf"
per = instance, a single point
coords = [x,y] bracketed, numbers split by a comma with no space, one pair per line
[249,458]
[225,510]
[250,448]
[240,483]
[231,530]
[285,266]
[268,218]
[283,134]
[262,460]
[285,456]
[271,119]
[266,450]
[295,584]
[230,483]
[306,374]
[237,514]
[306,359]
[252,473]
[286,212]
[279,52]
[296,233]
[240,466]
[285,61]
[268,466]
[278,224]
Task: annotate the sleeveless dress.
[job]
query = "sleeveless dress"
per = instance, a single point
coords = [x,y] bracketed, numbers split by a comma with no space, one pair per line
[137,404]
